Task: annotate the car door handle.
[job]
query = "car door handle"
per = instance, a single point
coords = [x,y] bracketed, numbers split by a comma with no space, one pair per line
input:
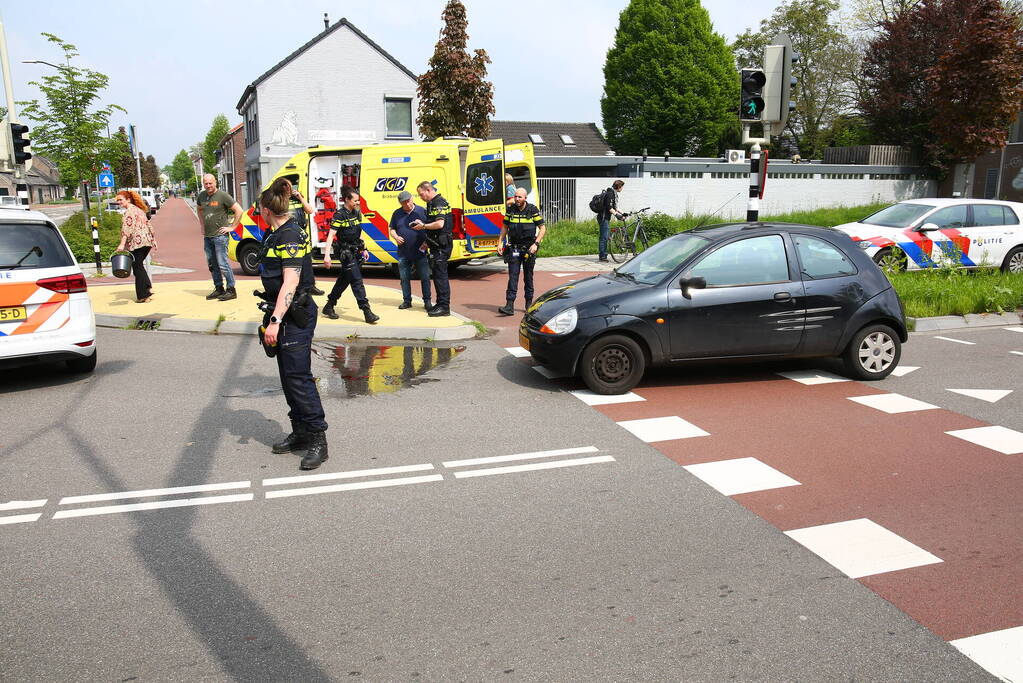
[782,296]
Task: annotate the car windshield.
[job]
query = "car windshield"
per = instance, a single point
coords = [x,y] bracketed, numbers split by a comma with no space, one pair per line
[31,245]
[654,264]
[897,215]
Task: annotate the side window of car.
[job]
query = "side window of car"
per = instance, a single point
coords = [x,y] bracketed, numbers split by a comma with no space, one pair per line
[988,214]
[753,261]
[821,259]
[1010,217]
[949,217]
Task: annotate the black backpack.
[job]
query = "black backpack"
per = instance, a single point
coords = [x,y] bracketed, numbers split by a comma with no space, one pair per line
[597,203]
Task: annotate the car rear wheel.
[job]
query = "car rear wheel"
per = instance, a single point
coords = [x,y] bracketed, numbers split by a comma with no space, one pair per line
[248,258]
[82,365]
[612,365]
[872,353]
[1013,262]
[891,260]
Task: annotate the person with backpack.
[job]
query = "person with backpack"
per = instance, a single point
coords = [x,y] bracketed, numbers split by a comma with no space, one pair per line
[605,205]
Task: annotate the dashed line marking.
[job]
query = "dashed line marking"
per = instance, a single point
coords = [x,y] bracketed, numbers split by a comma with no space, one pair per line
[520,456]
[518,351]
[904,370]
[812,377]
[156,505]
[1002,439]
[741,475]
[957,341]
[892,403]
[592,399]
[20,519]
[334,488]
[1000,653]
[1015,329]
[654,429]
[989,395]
[123,495]
[861,547]
[351,474]
[22,505]
[1018,353]
[533,466]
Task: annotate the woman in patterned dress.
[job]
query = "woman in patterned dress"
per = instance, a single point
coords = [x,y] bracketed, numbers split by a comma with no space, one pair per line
[137,237]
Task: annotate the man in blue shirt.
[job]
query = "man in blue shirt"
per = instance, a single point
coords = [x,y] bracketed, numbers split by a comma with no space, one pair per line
[411,248]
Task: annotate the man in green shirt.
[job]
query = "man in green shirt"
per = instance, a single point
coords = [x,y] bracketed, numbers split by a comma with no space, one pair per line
[214,208]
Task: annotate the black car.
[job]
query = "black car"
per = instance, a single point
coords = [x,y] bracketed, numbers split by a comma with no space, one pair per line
[734,291]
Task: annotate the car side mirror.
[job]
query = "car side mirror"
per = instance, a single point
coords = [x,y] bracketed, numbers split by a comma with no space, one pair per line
[928,227]
[687,283]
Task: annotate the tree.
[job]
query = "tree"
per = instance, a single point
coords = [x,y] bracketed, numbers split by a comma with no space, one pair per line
[825,73]
[454,96]
[121,161]
[68,128]
[218,129]
[150,172]
[669,81]
[181,167]
[944,77]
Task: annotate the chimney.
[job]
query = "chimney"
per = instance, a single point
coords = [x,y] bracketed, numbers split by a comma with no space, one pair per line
[326,22]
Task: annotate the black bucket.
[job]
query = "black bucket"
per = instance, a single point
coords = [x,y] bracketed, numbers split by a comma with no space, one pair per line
[120,263]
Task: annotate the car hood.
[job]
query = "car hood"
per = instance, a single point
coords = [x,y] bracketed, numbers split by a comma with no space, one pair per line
[587,294]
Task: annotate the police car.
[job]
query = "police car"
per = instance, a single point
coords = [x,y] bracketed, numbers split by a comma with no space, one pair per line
[45,312]
[929,233]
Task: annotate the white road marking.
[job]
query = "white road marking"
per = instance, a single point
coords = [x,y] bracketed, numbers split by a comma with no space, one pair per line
[1015,329]
[662,429]
[592,399]
[1000,653]
[520,456]
[379,483]
[957,341]
[563,274]
[741,475]
[346,475]
[893,403]
[201,488]
[1001,439]
[861,547]
[19,519]
[812,377]
[22,505]
[904,370]
[1018,353]
[533,466]
[517,351]
[157,505]
[989,395]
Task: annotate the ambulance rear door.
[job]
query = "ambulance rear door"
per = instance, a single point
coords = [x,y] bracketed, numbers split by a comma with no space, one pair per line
[519,163]
[484,195]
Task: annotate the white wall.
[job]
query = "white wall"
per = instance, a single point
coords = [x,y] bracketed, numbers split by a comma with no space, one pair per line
[702,196]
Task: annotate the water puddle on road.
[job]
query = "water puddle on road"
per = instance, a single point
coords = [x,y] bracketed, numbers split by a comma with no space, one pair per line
[358,370]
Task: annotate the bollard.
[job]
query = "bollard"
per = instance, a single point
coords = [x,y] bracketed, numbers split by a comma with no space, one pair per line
[95,244]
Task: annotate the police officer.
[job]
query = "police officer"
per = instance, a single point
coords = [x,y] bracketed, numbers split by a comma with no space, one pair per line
[287,275]
[524,229]
[439,242]
[347,226]
[300,209]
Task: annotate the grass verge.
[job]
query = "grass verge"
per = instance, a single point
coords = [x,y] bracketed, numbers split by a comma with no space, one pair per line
[958,292]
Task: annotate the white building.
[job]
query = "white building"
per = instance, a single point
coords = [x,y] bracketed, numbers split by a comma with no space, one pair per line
[338,89]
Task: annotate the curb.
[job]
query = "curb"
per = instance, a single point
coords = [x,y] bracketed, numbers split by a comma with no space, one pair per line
[962,322]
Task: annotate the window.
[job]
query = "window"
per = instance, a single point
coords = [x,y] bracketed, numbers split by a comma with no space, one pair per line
[988,214]
[484,183]
[949,217]
[399,117]
[536,139]
[897,215]
[567,140]
[820,259]
[753,261]
[32,245]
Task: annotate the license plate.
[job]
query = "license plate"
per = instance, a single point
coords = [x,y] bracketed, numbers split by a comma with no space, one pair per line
[523,341]
[10,314]
[484,242]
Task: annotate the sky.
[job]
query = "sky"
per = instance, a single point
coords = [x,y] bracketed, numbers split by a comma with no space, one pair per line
[176,65]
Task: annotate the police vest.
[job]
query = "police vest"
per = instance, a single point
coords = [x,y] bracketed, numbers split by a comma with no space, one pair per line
[348,225]
[522,224]
[438,208]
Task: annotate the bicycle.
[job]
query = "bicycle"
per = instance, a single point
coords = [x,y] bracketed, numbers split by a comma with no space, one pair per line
[620,246]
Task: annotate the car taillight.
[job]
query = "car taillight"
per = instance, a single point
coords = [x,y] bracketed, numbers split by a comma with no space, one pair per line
[65,284]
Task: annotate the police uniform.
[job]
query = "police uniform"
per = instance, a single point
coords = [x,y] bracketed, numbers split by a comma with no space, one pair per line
[348,248]
[439,243]
[522,226]
[287,247]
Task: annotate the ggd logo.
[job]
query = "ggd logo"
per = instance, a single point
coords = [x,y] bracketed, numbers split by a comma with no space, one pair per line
[390,184]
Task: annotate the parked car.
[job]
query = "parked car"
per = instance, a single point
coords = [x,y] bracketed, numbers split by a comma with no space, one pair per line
[148,195]
[734,291]
[45,312]
[928,233]
[112,205]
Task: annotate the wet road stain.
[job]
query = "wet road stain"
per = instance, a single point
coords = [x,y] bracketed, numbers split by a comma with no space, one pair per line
[358,370]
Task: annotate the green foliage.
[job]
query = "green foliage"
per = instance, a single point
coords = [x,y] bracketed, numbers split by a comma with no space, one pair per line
[181,167]
[454,96]
[941,291]
[218,129]
[669,81]
[67,128]
[121,161]
[79,235]
[150,172]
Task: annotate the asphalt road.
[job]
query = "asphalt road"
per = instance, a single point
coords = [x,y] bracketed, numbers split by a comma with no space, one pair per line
[617,564]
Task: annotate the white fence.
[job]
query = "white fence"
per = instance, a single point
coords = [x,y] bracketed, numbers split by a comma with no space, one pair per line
[727,192]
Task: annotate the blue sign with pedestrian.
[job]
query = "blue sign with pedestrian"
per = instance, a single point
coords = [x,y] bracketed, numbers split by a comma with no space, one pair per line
[106,179]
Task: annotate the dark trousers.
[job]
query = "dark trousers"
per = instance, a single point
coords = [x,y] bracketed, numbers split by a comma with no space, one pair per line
[439,272]
[526,266]
[143,284]
[350,275]
[294,364]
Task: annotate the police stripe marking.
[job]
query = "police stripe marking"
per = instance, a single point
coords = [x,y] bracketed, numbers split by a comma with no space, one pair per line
[135,507]
[534,466]
[99,497]
[22,505]
[346,475]
[20,519]
[521,456]
[379,483]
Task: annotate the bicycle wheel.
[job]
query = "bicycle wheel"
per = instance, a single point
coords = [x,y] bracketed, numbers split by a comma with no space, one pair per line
[641,242]
[616,245]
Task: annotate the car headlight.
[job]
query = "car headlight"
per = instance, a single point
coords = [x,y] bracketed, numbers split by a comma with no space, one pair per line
[864,244]
[562,323]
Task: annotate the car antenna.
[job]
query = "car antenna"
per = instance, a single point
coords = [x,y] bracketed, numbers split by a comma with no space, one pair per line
[709,216]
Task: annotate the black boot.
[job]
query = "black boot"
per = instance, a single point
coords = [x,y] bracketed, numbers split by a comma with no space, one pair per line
[427,304]
[298,440]
[507,309]
[215,294]
[317,453]
[315,291]
[228,294]
[438,311]
[370,316]
[329,312]
[404,304]
[529,302]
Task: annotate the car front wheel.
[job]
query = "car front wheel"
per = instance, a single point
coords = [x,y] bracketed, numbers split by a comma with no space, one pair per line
[872,353]
[612,365]
[1013,262]
[891,260]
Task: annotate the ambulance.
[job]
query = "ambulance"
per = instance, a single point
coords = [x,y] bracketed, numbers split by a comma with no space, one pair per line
[469,173]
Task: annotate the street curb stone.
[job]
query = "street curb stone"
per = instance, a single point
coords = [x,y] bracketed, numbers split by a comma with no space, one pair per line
[959,322]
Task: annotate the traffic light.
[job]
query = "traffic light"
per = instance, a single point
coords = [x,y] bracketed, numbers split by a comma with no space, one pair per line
[20,143]
[778,60]
[751,100]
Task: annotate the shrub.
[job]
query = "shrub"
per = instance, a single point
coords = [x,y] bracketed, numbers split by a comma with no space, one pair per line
[79,235]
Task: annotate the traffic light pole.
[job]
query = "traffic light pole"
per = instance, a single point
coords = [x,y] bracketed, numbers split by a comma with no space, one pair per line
[20,186]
